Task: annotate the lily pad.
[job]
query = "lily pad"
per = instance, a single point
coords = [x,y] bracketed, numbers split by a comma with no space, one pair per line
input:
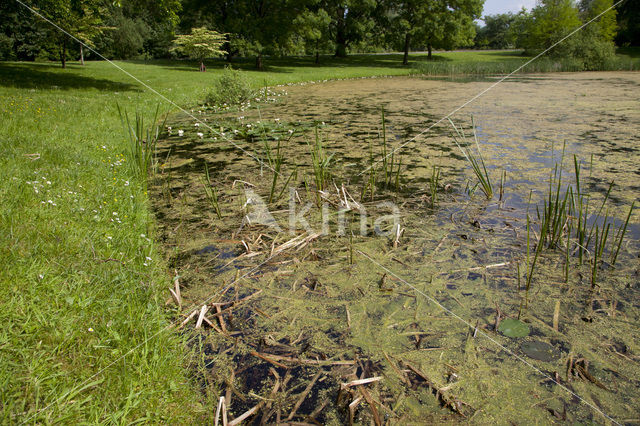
[513,328]
[540,350]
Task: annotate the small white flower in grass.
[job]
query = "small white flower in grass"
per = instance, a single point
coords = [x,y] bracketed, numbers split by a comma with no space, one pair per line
[115,213]
[290,131]
[143,236]
[90,330]
[126,183]
[197,124]
[200,135]
[41,276]
[180,133]
[277,119]
[148,258]
[48,182]
[109,237]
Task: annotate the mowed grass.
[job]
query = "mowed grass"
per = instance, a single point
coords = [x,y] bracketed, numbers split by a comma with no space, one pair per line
[82,284]
[83,287]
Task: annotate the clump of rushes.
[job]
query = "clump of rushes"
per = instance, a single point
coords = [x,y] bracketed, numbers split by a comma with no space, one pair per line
[617,242]
[433,185]
[275,161]
[211,191]
[476,160]
[142,143]
[390,164]
[321,163]
[565,219]
[370,184]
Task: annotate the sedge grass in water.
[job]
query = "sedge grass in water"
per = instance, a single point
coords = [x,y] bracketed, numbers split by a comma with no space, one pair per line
[142,143]
[564,219]
[476,160]
[321,163]
[211,191]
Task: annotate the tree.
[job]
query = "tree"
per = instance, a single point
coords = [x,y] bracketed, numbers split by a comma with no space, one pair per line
[80,18]
[22,34]
[606,25]
[497,33]
[201,44]
[142,26]
[351,22]
[443,24]
[313,28]
[550,21]
[628,23]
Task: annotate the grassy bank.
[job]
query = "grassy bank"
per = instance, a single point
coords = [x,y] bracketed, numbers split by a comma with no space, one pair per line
[82,281]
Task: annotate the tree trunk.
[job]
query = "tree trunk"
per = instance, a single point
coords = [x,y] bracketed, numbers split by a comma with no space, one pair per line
[429,49]
[81,54]
[407,41]
[341,33]
[259,62]
[63,52]
[317,52]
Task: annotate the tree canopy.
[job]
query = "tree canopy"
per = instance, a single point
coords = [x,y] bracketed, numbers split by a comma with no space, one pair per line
[124,29]
[200,44]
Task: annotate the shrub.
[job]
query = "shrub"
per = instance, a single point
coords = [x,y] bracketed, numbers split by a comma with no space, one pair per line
[232,88]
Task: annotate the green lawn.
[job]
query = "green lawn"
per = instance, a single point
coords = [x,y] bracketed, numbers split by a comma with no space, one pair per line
[82,281]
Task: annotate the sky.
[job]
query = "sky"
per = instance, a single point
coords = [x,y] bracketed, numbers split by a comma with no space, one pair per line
[491,7]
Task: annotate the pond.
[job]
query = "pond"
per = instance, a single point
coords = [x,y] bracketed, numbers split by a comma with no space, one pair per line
[354,270]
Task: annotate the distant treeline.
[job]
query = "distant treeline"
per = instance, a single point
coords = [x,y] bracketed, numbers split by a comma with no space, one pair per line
[128,29]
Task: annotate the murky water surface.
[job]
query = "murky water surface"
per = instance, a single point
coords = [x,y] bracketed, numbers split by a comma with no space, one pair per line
[421,316]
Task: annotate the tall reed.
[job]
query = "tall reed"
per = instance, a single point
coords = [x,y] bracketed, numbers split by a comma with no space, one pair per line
[211,191]
[321,163]
[476,160]
[142,143]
